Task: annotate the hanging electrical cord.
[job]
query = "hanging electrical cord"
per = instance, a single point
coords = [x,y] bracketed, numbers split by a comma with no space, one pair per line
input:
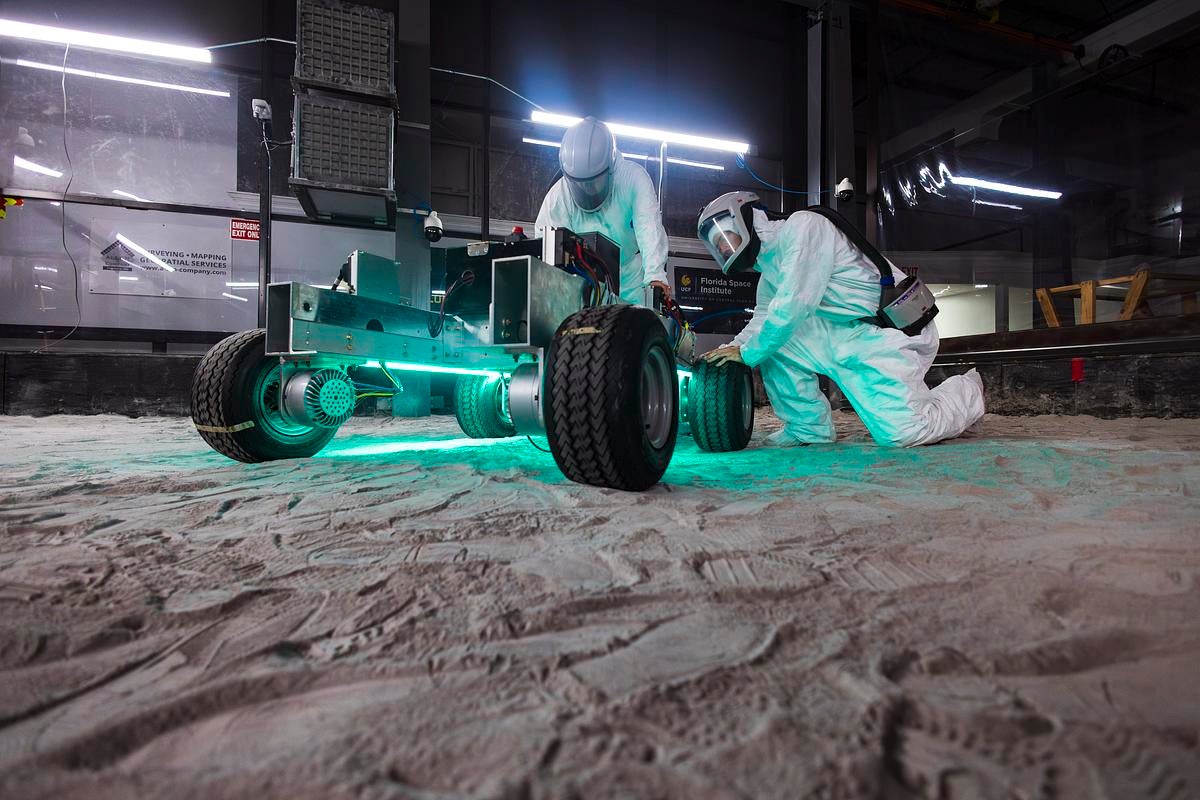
[714,315]
[268,39]
[513,92]
[741,162]
[467,278]
[676,318]
[592,275]
[389,376]
[249,41]
[590,290]
[63,206]
[598,271]
[367,387]
[535,444]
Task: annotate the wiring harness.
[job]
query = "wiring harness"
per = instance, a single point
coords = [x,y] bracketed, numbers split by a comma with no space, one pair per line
[364,390]
[467,278]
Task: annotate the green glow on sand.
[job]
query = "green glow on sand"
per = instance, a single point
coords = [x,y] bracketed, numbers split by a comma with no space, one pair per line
[408,446]
[406,367]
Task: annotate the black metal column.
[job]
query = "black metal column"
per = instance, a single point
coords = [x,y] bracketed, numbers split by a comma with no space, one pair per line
[485,176]
[412,174]
[1052,263]
[264,174]
[874,66]
[264,224]
[816,110]
[830,106]
[839,108]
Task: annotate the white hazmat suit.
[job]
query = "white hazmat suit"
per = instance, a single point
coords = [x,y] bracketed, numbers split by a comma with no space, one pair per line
[815,288]
[630,217]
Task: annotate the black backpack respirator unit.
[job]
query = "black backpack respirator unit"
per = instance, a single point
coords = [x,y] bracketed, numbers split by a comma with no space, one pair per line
[909,306]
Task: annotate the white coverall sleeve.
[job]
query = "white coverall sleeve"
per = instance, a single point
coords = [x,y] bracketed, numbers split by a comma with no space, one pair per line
[546,217]
[763,297]
[805,267]
[648,228]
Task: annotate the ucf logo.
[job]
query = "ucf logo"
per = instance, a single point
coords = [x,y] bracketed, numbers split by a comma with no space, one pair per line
[685,281]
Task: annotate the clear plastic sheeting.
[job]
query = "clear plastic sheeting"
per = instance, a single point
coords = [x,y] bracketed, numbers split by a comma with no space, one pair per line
[136,129]
[121,259]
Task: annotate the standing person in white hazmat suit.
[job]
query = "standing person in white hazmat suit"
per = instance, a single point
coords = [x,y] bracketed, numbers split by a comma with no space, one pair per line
[819,312]
[601,191]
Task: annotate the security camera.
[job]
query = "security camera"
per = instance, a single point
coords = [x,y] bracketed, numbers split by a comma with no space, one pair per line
[845,190]
[261,109]
[433,227]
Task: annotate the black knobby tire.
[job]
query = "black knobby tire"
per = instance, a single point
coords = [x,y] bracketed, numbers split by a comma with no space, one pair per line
[595,392]
[479,407]
[721,406]
[235,404]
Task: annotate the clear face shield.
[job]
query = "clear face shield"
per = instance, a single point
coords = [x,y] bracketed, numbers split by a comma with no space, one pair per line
[725,237]
[590,193]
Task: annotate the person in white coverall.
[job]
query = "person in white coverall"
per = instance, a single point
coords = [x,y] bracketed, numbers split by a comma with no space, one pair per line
[600,191]
[815,291]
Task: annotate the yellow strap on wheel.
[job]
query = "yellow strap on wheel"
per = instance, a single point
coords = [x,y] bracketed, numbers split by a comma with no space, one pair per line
[241,426]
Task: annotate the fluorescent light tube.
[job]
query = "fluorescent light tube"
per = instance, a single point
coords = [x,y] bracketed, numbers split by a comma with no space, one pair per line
[104,76]
[635,156]
[102,41]
[143,252]
[21,163]
[1007,188]
[652,134]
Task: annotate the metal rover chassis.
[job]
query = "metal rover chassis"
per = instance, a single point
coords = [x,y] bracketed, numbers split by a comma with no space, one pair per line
[312,328]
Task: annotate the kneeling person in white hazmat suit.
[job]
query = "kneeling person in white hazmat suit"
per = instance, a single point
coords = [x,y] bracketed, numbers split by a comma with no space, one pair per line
[818,313]
[601,191]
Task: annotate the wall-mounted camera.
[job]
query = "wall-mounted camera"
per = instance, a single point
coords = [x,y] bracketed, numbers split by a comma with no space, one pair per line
[261,109]
[845,190]
[433,227]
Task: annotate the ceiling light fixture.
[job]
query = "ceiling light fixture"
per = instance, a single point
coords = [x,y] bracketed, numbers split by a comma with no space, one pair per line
[1007,188]
[104,76]
[143,252]
[102,41]
[636,156]
[651,134]
[21,163]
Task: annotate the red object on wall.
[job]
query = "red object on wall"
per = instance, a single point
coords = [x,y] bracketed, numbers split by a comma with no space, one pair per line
[244,229]
[1076,370]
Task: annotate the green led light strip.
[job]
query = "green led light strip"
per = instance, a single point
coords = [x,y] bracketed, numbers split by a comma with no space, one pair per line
[405,367]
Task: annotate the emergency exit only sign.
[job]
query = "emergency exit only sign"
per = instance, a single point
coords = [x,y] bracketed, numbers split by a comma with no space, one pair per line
[244,229]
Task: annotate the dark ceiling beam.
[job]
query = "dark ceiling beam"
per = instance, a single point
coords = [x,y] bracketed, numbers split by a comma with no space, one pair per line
[1039,10]
[931,87]
[1142,98]
[940,46]
[974,23]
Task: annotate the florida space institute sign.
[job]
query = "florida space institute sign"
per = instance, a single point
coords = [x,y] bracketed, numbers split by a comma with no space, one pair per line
[710,287]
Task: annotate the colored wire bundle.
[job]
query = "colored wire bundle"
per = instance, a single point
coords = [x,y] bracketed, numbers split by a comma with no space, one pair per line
[465,279]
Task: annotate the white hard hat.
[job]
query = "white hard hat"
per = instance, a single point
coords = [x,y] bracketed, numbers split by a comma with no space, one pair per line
[588,156]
